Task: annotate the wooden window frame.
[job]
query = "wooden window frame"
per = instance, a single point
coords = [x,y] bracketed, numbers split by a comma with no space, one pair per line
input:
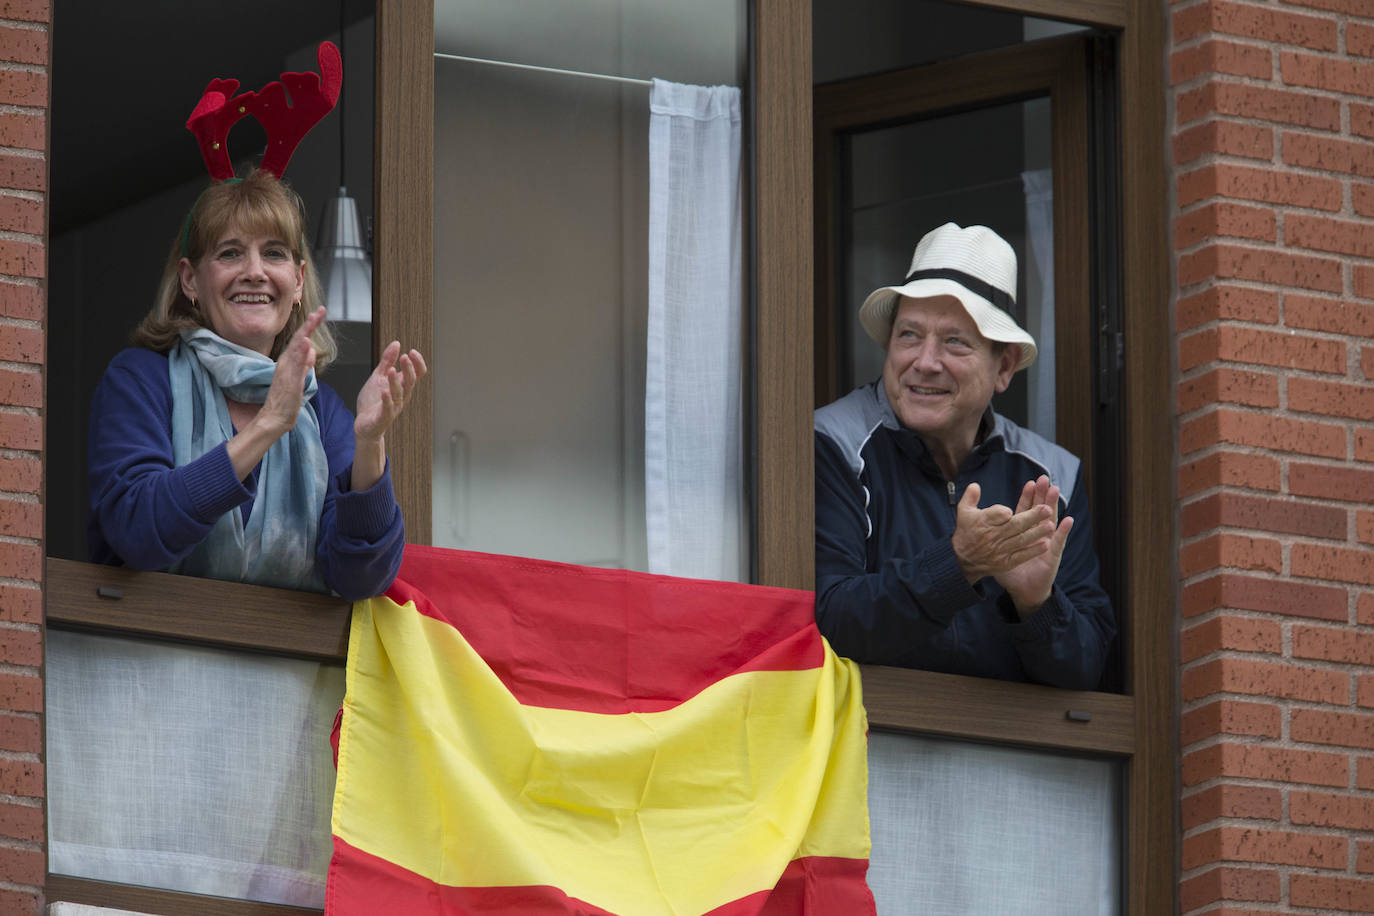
[1137,727]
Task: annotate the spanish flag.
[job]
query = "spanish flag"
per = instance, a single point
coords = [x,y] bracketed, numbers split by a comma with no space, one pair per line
[527,737]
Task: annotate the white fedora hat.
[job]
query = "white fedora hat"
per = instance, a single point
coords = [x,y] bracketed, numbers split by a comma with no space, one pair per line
[974,265]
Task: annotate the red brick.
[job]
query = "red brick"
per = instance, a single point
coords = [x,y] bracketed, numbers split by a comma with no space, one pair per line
[1262,431]
[1367,362]
[1230,800]
[23,131]
[25,88]
[19,214]
[1353,7]
[1362,120]
[21,561]
[1251,21]
[1363,275]
[1335,315]
[1225,220]
[21,345]
[1320,233]
[1228,884]
[1232,386]
[1331,398]
[1279,515]
[1334,644]
[21,389]
[1328,154]
[1345,894]
[22,259]
[1362,198]
[1359,39]
[1364,691]
[21,604]
[1228,138]
[1220,57]
[1232,469]
[1364,445]
[20,733]
[20,693]
[1274,847]
[20,903]
[1259,102]
[1230,717]
[1318,726]
[21,822]
[1364,609]
[1275,596]
[23,778]
[1241,634]
[1331,74]
[20,301]
[26,10]
[30,46]
[23,173]
[1230,551]
[20,647]
[1261,678]
[1328,482]
[21,431]
[1364,526]
[1364,773]
[20,475]
[1218,303]
[1261,184]
[1339,564]
[1364,858]
[1284,349]
[21,520]
[22,866]
[1278,268]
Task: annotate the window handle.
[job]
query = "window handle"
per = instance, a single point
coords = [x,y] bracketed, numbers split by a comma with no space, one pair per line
[1078,715]
[109,591]
[458,460]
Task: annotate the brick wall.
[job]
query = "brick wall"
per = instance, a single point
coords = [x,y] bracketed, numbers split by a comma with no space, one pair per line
[24,46]
[1273,151]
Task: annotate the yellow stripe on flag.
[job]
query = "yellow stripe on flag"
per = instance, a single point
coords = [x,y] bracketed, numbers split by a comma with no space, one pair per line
[444,773]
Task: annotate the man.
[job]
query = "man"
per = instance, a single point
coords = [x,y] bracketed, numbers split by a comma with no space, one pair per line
[910,570]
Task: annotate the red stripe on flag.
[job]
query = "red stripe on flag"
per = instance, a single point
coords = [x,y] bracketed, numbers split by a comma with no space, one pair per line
[361,884]
[604,640]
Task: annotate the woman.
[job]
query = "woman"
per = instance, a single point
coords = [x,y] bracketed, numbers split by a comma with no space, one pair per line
[213,449]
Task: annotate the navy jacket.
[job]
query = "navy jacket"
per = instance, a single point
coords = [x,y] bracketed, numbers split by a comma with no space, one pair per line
[147,513]
[889,590]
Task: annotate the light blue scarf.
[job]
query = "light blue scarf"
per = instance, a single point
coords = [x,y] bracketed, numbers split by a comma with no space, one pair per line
[277,546]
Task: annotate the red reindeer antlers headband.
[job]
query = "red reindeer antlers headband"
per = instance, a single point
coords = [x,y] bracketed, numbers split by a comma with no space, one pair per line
[313,95]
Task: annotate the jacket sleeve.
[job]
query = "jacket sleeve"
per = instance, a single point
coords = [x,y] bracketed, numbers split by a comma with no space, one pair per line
[1065,642]
[362,535]
[876,617]
[145,512]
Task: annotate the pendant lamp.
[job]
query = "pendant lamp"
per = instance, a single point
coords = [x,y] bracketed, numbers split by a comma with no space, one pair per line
[342,261]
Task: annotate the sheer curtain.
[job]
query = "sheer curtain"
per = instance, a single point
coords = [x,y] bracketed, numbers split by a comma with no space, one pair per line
[974,830]
[693,446]
[189,768]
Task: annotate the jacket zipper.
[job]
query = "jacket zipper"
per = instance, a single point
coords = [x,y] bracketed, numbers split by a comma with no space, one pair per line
[949,488]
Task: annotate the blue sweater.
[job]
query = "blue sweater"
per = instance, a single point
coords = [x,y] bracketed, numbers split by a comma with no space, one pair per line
[147,514]
[889,589]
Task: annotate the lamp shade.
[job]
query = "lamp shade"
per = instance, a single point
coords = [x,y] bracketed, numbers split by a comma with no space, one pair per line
[341,259]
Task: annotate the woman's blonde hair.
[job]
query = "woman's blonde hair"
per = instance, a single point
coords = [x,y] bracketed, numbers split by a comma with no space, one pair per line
[260,204]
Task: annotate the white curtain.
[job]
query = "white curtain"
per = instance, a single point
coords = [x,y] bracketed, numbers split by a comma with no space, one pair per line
[1039,187]
[187,768]
[693,447]
[973,830]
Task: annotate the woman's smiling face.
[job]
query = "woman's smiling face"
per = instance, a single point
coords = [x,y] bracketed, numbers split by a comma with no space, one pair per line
[246,286]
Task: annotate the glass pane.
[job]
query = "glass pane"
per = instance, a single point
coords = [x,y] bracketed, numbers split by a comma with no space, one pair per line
[191,769]
[543,192]
[861,37]
[990,167]
[976,830]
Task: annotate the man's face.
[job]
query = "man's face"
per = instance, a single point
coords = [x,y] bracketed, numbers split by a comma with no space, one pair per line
[940,373]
